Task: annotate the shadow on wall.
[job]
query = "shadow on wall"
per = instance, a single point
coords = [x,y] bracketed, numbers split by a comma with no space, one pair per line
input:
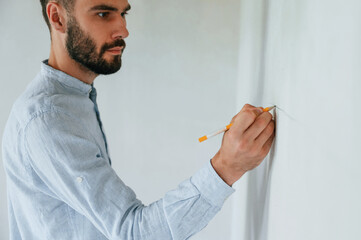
[257,201]
[258,196]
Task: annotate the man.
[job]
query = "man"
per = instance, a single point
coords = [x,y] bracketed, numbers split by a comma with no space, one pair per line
[60,182]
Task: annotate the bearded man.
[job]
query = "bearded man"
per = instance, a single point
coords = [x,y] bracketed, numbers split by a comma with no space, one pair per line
[60,181]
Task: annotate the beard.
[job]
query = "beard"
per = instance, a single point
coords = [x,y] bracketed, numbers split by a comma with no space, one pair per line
[82,48]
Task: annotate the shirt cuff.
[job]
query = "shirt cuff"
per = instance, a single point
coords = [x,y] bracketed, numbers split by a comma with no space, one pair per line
[211,186]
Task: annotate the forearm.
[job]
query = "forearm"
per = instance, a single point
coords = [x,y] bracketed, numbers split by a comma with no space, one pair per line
[191,206]
[181,213]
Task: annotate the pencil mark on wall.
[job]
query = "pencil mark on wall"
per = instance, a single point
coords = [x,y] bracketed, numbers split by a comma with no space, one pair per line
[288,115]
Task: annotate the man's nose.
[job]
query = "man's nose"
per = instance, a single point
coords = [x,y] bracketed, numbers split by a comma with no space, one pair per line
[121,29]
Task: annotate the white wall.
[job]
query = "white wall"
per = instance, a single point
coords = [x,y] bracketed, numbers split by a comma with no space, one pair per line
[306,60]
[176,84]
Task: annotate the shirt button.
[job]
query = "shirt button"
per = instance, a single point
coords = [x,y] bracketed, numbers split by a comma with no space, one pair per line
[79,179]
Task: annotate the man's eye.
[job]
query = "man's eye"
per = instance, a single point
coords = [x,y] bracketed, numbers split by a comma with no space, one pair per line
[103,14]
[124,13]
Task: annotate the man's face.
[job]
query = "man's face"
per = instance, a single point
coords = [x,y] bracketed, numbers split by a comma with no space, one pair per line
[95,33]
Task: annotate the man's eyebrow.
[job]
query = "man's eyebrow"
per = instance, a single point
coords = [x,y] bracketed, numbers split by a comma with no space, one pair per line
[107,8]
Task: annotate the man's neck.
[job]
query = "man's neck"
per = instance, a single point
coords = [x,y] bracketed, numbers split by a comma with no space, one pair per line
[61,60]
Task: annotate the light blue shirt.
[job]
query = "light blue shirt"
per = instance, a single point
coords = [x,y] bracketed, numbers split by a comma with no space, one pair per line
[60,184]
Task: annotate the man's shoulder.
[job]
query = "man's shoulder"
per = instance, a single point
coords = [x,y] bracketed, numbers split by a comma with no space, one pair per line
[43,97]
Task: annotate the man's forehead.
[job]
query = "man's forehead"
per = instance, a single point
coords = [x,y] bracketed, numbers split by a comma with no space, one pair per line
[88,4]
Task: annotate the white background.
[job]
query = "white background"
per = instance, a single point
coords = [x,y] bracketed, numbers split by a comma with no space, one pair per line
[177,83]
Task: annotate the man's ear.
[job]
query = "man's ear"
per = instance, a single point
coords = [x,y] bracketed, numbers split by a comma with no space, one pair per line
[57,16]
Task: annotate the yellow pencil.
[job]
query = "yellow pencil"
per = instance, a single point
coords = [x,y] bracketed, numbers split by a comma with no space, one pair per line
[201,139]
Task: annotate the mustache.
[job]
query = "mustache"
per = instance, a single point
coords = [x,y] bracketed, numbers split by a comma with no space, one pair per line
[116,43]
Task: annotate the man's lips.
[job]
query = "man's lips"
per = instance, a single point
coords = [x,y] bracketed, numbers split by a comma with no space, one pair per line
[115,50]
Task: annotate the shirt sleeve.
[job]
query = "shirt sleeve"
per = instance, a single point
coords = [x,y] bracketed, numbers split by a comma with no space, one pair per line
[66,157]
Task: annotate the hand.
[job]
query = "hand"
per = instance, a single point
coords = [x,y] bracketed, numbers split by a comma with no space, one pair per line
[245,144]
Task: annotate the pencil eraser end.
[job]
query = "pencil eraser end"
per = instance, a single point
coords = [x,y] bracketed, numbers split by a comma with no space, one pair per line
[202,139]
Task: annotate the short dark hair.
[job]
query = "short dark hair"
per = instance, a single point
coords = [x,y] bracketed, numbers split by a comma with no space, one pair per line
[67,4]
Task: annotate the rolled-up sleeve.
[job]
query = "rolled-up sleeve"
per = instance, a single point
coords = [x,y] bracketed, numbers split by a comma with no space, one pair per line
[68,159]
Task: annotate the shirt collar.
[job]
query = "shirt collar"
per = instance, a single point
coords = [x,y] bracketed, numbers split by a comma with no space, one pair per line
[65,79]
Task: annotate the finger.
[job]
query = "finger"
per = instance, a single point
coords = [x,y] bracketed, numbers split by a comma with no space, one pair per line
[244,119]
[252,108]
[258,126]
[232,121]
[248,106]
[267,146]
[265,134]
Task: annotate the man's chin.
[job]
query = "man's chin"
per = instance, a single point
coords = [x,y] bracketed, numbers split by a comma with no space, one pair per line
[112,59]
[108,66]
[110,72]
[110,69]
